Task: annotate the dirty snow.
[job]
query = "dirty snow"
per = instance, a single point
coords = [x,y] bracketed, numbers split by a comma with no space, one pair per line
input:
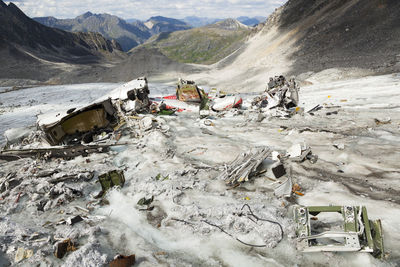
[189,158]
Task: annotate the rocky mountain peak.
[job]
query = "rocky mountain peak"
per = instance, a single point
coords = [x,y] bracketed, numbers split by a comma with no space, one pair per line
[86,15]
[229,24]
[17,28]
[12,8]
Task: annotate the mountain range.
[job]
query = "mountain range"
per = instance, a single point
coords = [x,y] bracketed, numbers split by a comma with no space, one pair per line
[133,32]
[203,21]
[298,38]
[128,35]
[356,37]
[202,45]
[160,24]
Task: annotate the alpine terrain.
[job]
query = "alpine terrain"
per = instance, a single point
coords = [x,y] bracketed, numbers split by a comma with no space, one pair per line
[200,141]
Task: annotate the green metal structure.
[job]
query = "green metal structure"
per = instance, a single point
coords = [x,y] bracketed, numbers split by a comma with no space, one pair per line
[358,233]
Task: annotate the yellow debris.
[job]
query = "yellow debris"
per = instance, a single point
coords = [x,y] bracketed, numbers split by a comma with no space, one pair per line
[23,254]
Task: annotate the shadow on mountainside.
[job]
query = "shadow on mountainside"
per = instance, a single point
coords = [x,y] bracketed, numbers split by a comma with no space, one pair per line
[343,34]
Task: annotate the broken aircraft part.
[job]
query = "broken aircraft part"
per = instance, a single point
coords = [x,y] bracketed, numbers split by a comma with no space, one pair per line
[301,152]
[357,232]
[284,189]
[110,179]
[53,152]
[188,91]
[63,127]
[226,102]
[133,94]
[279,171]
[244,166]
[61,248]
[123,261]
[59,126]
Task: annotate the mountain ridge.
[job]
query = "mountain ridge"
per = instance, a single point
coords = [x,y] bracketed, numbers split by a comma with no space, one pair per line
[204,21]
[350,38]
[159,24]
[112,27]
[129,35]
[31,50]
[201,45]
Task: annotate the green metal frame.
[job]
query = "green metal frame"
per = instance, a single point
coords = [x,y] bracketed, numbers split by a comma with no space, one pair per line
[359,233]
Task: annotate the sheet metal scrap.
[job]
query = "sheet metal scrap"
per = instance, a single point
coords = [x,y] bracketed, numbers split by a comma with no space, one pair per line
[53,152]
[61,248]
[123,261]
[358,232]
[244,166]
[301,152]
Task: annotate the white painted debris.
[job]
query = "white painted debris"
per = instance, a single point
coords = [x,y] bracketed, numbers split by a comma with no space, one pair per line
[339,146]
[146,123]
[295,150]
[275,155]
[180,105]
[300,152]
[284,189]
[227,102]
[122,91]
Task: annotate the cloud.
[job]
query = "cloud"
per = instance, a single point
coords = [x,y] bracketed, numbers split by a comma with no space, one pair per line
[143,9]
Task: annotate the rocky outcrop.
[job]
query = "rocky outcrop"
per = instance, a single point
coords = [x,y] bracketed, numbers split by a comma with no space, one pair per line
[95,41]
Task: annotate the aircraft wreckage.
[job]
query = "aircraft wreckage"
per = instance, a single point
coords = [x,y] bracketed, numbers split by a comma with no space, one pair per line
[80,130]
[101,115]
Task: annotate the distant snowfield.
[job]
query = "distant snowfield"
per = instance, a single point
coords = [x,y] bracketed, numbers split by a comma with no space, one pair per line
[369,165]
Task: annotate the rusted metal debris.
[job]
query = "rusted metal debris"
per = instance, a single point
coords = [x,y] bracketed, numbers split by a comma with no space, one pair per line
[123,261]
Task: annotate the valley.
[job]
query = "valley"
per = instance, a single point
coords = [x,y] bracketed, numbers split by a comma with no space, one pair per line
[63,87]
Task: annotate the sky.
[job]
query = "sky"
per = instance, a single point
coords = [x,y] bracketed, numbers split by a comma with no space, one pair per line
[144,9]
